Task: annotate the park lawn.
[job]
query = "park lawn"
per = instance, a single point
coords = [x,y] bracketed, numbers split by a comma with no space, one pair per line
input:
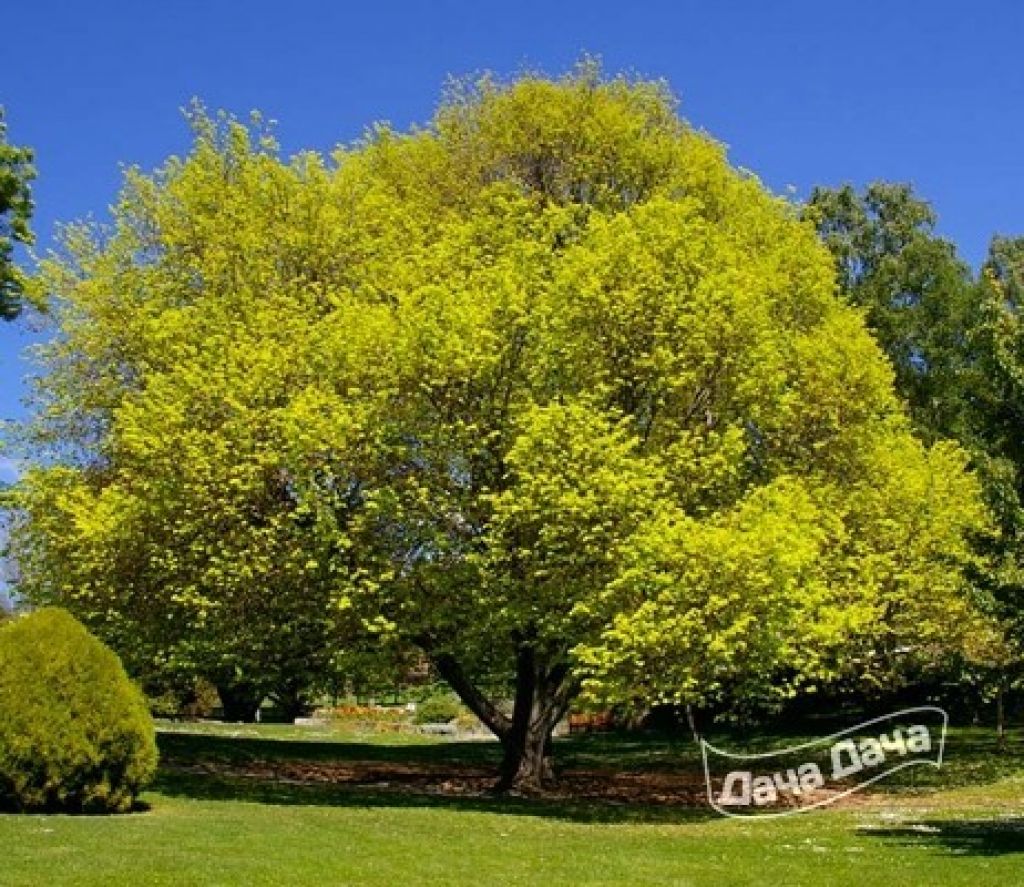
[215,828]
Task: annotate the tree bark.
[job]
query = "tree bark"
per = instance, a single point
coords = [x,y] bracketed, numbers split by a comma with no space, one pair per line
[292,700]
[1000,719]
[239,702]
[489,714]
[527,766]
[542,697]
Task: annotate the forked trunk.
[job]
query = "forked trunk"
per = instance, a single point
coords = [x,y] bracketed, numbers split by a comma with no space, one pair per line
[542,697]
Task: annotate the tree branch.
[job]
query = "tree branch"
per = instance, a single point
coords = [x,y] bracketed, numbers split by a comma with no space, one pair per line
[452,672]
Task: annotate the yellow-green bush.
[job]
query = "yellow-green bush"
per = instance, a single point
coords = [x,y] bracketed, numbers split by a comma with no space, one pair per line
[75,732]
[438,709]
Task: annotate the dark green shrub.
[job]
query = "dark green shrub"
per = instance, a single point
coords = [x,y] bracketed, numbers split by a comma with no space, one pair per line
[75,732]
[182,698]
[440,709]
[202,701]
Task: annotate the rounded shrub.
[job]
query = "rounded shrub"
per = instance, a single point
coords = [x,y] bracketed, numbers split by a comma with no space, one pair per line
[440,709]
[75,732]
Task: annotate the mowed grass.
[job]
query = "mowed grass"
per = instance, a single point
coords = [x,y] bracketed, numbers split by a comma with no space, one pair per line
[964,825]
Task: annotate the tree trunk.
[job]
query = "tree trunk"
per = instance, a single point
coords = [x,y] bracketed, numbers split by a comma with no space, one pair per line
[1000,719]
[527,765]
[542,697]
[292,700]
[239,702]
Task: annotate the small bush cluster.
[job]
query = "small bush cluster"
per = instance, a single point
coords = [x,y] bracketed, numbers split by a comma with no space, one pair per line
[75,732]
[439,709]
[190,701]
[467,722]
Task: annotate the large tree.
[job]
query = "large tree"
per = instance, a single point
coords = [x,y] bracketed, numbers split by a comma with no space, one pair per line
[16,174]
[996,409]
[555,395]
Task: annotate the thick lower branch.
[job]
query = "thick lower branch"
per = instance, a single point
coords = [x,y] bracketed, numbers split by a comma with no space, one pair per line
[489,714]
[542,697]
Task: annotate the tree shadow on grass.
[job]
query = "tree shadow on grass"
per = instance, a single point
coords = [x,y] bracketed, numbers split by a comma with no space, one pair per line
[138,806]
[210,787]
[449,775]
[980,837]
[231,750]
[613,750]
[972,756]
[610,777]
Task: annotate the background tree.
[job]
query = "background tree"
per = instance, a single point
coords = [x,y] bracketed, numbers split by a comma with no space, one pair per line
[169,524]
[16,172]
[545,389]
[919,297]
[996,408]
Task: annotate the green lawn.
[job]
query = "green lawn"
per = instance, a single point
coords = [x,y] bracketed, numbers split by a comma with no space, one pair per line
[208,824]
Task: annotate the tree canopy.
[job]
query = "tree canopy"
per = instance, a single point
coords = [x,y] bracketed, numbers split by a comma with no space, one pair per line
[16,174]
[545,388]
[997,409]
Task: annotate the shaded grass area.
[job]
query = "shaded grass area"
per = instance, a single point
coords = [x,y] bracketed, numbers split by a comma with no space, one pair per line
[209,825]
[230,745]
[972,755]
[232,788]
[221,758]
[984,837]
[973,759]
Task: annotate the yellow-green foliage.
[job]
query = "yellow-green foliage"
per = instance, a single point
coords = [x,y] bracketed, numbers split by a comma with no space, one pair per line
[75,733]
[546,374]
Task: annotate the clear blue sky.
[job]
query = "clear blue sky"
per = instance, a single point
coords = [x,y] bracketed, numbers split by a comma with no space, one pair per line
[802,92]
